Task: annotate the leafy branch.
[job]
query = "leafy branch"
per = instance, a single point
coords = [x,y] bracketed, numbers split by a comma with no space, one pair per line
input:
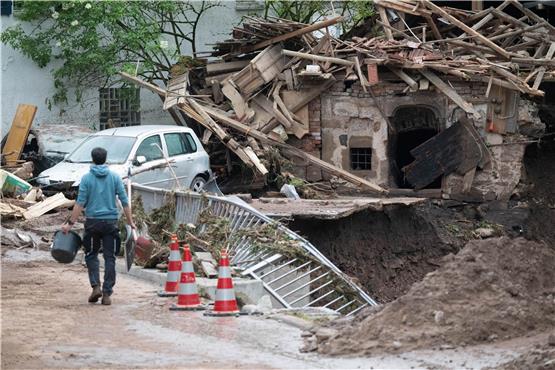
[87,43]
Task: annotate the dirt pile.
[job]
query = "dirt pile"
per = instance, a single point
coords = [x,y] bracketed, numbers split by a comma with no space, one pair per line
[386,251]
[492,289]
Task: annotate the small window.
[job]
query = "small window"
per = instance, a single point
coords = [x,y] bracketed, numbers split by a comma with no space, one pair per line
[6,7]
[177,144]
[119,107]
[150,148]
[192,143]
[361,159]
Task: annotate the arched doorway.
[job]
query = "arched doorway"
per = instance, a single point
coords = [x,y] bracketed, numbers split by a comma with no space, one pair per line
[414,125]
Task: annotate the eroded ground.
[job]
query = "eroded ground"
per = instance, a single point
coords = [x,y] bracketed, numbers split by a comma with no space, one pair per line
[47,323]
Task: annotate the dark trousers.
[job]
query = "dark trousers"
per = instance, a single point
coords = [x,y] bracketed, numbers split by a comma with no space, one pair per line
[105,234]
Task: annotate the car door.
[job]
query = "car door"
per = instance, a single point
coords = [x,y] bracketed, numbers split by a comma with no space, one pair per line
[151,148]
[182,156]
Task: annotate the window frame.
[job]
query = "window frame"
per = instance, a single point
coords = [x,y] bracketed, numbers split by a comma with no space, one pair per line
[363,159]
[7,8]
[162,154]
[182,135]
[191,142]
[122,105]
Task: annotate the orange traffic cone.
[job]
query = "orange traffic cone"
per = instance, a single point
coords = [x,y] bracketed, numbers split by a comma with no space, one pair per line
[187,296]
[174,266]
[225,304]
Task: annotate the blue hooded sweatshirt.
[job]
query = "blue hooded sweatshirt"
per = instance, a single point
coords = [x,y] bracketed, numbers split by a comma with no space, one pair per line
[97,193]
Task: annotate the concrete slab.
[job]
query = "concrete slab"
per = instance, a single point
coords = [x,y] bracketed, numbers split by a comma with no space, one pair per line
[329,209]
[250,290]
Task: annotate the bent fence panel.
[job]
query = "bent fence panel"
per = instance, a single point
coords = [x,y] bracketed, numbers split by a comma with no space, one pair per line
[294,280]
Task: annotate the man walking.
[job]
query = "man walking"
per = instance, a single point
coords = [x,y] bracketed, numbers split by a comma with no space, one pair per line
[97,196]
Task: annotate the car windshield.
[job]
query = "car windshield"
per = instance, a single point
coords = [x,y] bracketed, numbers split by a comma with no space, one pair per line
[118,148]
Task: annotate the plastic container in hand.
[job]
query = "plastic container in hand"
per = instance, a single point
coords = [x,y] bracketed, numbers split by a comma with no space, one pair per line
[65,246]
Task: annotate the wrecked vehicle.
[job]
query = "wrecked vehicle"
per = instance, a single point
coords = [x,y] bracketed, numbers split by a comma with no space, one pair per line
[131,151]
[48,144]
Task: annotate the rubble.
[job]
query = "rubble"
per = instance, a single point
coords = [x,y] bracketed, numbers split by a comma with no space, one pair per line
[257,95]
[484,292]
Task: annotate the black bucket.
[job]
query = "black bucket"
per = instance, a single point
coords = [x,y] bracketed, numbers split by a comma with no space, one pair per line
[65,246]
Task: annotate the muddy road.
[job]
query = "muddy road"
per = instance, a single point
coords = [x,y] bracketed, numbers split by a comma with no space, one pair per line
[47,323]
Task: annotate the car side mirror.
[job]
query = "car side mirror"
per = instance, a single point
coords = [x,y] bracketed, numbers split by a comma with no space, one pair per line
[139,160]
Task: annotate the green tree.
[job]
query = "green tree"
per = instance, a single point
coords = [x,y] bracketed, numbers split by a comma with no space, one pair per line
[93,40]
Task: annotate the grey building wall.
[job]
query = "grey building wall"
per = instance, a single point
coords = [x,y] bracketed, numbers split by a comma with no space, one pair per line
[23,81]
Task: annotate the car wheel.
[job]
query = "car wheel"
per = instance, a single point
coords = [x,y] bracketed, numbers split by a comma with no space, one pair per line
[198,184]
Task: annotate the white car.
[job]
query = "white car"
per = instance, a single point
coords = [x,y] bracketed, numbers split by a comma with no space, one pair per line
[134,149]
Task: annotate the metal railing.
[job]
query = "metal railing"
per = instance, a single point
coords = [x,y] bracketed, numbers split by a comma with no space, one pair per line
[307,280]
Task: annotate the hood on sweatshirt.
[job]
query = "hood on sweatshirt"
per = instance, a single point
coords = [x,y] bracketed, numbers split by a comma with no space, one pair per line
[100,170]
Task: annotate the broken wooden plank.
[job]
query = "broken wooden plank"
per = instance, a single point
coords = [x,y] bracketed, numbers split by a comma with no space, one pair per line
[176,88]
[318,58]
[449,92]
[333,170]
[299,32]
[541,71]
[405,77]
[403,8]
[298,130]
[452,150]
[530,14]
[8,210]
[434,28]
[17,136]
[237,101]
[290,98]
[269,63]
[484,40]
[50,203]
[247,158]
[385,21]
[361,78]
[517,81]
[307,98]
[225,67]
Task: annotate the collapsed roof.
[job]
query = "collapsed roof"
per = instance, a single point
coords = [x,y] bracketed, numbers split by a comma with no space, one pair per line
[251,99]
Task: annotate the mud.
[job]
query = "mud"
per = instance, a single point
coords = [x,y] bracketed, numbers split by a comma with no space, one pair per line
[494,289]
[542,357]
[387,251]
[47,324]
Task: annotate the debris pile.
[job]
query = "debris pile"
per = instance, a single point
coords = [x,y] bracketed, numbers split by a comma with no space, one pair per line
[256,97]
[20,200]
[486,292]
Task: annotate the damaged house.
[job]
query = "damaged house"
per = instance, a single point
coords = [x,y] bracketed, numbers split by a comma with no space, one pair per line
[441,105]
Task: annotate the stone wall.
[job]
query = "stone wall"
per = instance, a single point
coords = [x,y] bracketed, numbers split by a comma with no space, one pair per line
[499,178]
[354,122]
[346,117]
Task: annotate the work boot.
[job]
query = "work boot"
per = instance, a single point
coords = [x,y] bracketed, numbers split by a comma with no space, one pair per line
[106,300]
[96,293]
